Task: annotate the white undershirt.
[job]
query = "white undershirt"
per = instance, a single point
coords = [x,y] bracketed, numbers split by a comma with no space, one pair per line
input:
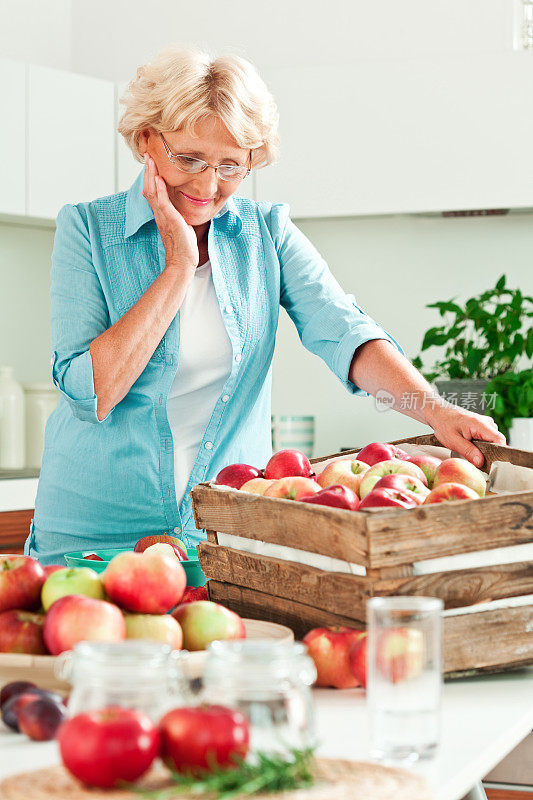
[205,356]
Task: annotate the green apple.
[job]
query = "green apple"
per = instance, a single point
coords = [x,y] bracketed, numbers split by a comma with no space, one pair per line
[158,627]
[74,580]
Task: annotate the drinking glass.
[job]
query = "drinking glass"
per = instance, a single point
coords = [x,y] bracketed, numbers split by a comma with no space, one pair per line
[404,676]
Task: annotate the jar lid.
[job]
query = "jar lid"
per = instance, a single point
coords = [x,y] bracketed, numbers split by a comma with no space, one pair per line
[117,662]
[247,661]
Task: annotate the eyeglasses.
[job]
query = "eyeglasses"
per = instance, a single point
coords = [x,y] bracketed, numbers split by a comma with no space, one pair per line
[227,172]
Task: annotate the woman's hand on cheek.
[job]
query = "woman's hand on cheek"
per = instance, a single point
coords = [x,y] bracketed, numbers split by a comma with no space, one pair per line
[179,238]
[455,427]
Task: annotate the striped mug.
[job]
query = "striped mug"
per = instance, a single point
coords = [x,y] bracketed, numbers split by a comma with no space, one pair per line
[294,433]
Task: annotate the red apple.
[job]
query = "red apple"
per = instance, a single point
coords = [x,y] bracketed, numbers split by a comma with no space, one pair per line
[459,470]
[335,496]
[203,622]
[40,719]
[428,464]
[146,583]
[391,467]
[92,557]
[147,541]
[376,452]
[450,491]
[74,580]
[157,627]
[256,485]
[21,632]
[50,568]
[330,650]
[76,618]
[21,580]
[401,481]
[400,654]
[236,475]
[107,747]
[347,472]
[358,658]
[379,498]
[292,488]
[199,738]
[194,593]
[288,464]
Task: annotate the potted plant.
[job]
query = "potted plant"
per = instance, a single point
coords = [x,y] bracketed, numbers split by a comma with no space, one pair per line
[483,339]
[512,408]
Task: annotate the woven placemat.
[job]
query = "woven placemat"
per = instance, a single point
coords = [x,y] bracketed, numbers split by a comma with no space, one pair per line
[336,780]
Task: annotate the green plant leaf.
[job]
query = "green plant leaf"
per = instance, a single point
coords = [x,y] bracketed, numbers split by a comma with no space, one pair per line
[434,336]
[501,282]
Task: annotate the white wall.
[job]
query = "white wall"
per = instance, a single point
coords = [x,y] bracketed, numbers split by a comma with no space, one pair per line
[38,31]
[110,39]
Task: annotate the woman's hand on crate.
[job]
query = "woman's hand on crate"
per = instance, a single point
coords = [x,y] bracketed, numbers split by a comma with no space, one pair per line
[455,427]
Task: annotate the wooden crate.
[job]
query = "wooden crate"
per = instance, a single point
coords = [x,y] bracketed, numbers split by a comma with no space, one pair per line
[479,634]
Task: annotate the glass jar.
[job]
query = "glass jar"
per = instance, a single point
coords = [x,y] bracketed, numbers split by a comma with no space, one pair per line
[270,682]
[136,674]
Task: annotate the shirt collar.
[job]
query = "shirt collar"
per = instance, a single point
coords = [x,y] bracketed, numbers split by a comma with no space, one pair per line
[139,212]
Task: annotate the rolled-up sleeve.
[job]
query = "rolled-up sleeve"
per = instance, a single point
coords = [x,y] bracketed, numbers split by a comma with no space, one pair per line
[78,313]
[329,321]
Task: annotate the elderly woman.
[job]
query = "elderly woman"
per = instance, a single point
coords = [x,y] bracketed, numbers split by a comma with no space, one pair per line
[164,305]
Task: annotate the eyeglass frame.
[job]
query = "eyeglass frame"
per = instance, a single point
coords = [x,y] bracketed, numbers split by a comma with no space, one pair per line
[171,156]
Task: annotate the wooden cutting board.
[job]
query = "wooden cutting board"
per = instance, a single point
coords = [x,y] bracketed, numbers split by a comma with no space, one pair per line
[336,780]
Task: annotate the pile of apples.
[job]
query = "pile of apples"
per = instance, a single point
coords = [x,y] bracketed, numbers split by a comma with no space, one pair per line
[47,610]
[380,475]
[340,655]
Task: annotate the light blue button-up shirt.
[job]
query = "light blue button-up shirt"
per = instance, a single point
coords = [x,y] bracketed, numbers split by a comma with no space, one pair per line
[107,483]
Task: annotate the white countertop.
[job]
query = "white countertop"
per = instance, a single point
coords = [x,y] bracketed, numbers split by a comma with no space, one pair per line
[484,718]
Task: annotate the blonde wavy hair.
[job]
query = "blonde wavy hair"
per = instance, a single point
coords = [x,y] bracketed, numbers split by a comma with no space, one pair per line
[185,84]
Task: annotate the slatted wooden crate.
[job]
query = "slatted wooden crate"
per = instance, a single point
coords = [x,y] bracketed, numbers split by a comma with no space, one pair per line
[479,634]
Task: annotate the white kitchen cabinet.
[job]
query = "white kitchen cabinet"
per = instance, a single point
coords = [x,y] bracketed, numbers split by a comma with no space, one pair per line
[379,137]
[13,137]
[71,146]
[129,168]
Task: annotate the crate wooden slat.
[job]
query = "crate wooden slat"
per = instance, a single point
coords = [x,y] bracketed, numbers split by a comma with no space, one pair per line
[269,520]
[387,543]
[344,593]
[373,539]
[484,640]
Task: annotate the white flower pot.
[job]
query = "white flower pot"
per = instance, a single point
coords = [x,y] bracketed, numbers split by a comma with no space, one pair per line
[521,433]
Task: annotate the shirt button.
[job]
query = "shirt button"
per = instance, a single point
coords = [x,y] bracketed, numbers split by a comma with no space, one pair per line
[209,445]
[177,530]
[229,309]
[225,398]
[238,357]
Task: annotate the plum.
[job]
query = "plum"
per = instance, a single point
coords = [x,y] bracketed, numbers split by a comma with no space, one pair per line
[13,688]
[41,718]
[12,708]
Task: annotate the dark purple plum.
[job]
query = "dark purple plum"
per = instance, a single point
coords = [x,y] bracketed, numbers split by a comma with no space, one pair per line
[40,719]
[12,708]
[15,687]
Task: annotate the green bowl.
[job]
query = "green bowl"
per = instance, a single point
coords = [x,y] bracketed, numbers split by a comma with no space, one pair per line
[193,570]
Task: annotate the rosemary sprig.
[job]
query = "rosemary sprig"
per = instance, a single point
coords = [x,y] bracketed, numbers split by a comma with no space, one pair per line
[266,774]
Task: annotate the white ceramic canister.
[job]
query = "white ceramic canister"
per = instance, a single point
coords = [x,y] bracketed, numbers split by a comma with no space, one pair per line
[12,455]
[41,400]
